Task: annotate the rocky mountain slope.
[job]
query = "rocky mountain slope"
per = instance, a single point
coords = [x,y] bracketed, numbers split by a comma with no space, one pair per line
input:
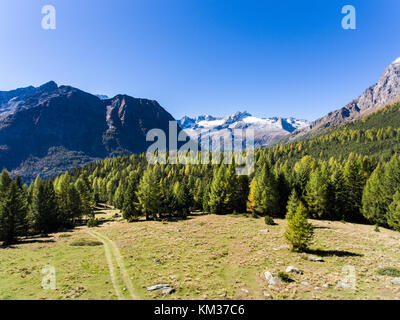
[51,129]
[266,130]
[381,94]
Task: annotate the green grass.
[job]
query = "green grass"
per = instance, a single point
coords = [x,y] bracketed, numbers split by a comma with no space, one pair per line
[205,257]
[85,243]
[389,271]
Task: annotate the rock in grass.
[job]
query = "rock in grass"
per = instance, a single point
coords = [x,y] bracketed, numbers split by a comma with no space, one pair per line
[292,269]
[268,275]
[344,285]
[315,258]
[158,287]
[305,283]
[272,278]
[396,281]
[168,290]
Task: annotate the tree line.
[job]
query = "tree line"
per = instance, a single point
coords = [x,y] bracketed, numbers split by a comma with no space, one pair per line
[43,207]
[360,187]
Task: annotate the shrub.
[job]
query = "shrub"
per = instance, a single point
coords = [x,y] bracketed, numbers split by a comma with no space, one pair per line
[269,221]
[299,232]
[65,235]
[284,277]
[389,271]
[85,243]
[93,222]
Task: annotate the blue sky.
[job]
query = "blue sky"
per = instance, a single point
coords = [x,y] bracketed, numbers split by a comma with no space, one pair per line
[271,58]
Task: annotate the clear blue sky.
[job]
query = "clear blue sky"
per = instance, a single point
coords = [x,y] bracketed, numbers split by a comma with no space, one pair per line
[271,58]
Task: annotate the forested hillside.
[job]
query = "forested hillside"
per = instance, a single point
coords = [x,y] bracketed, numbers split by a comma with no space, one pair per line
[350,173]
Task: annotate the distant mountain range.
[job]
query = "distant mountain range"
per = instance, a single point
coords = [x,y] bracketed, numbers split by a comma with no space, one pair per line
[50,129]
[266,130]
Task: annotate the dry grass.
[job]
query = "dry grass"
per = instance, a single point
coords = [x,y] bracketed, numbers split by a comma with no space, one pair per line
[207,257]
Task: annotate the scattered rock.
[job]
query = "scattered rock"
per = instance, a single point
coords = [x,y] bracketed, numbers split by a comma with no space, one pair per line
[168,290]
[263,231]
[274,288]
[344,285]
[164,288]
[396,281]
[279,262]
[268,275]
[274,281]
[315,258]
[305,283]
[285,246]
[272,278]
[325,286]
[266,294]
[292,269]
[245,291]
[317,288]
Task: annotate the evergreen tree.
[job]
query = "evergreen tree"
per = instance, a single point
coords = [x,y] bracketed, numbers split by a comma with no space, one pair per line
[13,211]
[44,213]
[149,193]
[130,209]
[337,195]
[292,204]
[299,231]
[393,214]
[265,193]
[241,194]
[317,193]
[354,179]
[221,195]
[86,198]
[374,200]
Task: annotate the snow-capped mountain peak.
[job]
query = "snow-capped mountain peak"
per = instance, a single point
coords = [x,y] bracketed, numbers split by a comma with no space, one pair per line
[267,130]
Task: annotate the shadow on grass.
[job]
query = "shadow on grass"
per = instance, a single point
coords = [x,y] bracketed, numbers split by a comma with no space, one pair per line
[29,241]
[333,253]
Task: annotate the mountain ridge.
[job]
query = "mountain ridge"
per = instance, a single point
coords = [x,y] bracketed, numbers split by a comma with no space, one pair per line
[383,93]
[267,130]
[78,125]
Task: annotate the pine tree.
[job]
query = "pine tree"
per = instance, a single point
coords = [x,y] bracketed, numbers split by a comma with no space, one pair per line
[75,209]
[221,192]
[354,179]
[299,231]
[337,195]
[85,197]
[241,194]
[130,210]
[44,214]
[149,193]
[5,182]
[303,170]
[182,199]
[317,193]
[118,199]
[292,204]
[265,193]
[13,211]
[374,200]
[393,214]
